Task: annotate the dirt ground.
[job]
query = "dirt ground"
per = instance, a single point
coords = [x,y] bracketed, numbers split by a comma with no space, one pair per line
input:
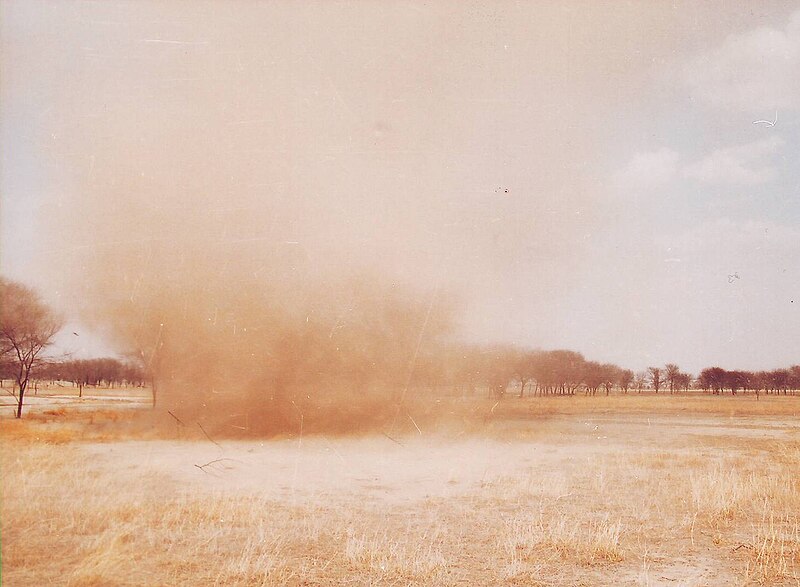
[603,497]
[45,397]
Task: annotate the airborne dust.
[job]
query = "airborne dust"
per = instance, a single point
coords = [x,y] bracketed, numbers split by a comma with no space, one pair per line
[278,207]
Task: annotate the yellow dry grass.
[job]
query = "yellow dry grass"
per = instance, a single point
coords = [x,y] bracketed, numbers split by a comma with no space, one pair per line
[691,404]
[581,500]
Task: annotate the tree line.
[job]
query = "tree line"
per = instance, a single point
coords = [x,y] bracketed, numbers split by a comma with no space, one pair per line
[377,343]
[99,372]
[501,370]
[564,372]
[103,372]
[778,381]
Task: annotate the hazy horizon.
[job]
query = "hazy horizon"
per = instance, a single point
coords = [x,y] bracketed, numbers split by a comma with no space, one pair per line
[617,179]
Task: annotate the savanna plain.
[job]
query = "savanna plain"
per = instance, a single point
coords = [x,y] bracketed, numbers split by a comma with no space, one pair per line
[622,490]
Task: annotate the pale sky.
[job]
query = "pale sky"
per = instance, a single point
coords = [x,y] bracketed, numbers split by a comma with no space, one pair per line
[581,175]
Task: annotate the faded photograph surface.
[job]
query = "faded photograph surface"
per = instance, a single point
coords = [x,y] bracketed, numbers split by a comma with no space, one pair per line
[400,293]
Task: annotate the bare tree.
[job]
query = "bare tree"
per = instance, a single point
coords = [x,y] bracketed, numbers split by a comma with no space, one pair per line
[640,380]
[656,377]
[611,374]
[671,373]
[683,381]
[523,364]
[27,327]
[625,378]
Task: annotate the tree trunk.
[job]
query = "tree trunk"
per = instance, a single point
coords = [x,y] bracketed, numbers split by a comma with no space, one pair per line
[19,401]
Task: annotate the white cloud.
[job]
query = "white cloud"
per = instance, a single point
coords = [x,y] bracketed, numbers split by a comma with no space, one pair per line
[756,71]
[649,170]
[743,164]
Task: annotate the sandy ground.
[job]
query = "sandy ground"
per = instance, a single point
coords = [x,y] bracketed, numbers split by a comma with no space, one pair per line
[380,470]
[611,499]
[56,398]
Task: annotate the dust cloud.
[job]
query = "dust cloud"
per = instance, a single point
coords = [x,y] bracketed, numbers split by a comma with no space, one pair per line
[275,204]
[252,308]
[240,328]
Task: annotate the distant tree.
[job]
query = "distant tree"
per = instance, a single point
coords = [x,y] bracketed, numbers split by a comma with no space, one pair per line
[760,381]
[558,371]
[640,380]
[683,381]
[133,374]
[611,374]
[27,327]
[523,367]
[794,377]
[624,380]
[656,377]
[543,373]
[569,367]
[671,372]
[101,371]
[7,370]
[712,379]
[593,377]
[779,380]
[735,380]
[745,380]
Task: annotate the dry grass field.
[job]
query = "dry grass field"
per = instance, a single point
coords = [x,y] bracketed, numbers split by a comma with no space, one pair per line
[637,490]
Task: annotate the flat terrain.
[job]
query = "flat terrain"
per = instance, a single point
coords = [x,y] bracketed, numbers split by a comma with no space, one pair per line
[54,397]
[636,490]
